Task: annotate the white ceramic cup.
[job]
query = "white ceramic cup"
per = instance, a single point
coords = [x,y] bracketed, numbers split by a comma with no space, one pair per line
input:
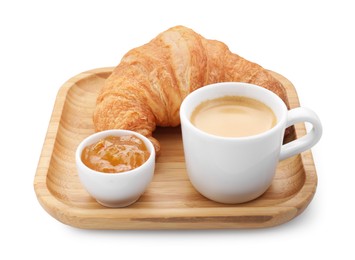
[239,169]
[115,189]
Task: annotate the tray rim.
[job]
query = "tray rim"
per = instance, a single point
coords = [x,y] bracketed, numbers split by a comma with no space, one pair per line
[68,214]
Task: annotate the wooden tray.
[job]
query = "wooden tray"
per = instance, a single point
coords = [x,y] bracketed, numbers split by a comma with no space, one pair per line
[170,202]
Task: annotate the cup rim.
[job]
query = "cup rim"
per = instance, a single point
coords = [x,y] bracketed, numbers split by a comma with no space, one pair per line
[211,87]
[98,135]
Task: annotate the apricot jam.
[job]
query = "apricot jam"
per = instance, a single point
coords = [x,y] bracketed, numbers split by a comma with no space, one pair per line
[115,154]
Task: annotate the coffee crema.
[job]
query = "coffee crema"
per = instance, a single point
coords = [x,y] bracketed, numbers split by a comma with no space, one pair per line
[233,116]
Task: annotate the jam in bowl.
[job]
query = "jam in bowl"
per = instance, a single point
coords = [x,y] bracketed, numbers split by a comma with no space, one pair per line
[115,166]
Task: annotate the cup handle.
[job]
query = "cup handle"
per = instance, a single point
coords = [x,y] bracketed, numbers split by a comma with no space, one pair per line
[304,143]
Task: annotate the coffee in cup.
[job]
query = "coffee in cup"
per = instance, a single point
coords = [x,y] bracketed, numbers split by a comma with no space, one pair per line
[233,116]
[229,168]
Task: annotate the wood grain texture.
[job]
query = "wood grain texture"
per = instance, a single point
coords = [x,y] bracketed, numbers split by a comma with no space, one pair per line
[170,202]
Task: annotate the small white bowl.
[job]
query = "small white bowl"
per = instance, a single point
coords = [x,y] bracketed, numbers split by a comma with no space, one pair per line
[115,189]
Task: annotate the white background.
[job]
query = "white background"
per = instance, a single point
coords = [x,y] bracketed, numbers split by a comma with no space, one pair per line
[44,43]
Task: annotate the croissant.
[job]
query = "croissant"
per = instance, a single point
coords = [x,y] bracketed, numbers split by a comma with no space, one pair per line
[147,87]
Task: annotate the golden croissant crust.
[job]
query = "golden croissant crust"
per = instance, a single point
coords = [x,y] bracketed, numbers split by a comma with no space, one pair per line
[146,89]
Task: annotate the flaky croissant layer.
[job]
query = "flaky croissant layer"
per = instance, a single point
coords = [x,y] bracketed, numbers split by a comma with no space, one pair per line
[147,87]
